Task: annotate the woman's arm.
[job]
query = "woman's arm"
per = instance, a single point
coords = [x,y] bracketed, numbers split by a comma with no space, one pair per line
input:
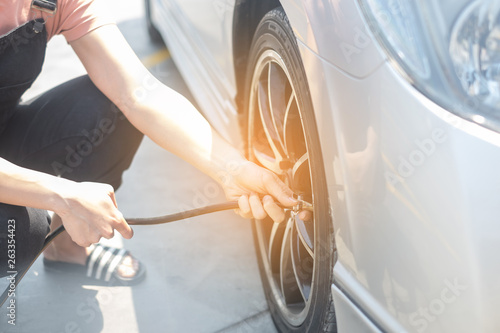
[172,122]
[88,210]
[23,187]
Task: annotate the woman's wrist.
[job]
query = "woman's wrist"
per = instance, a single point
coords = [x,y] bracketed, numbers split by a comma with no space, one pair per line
[24,187]
[60,191]
[227,170]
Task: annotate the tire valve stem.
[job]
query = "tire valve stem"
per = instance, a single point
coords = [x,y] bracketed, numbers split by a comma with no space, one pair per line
[302,205]
[298,207]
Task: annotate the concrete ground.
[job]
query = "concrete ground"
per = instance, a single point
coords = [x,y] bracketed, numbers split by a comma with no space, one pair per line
[202,273]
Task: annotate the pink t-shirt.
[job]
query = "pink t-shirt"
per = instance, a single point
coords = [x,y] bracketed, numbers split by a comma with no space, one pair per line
[73,19]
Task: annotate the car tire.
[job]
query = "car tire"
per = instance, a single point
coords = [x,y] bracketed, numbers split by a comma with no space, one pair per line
[295,257]
[153,32]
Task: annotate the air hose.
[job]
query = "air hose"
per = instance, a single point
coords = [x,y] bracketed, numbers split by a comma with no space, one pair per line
[131,221]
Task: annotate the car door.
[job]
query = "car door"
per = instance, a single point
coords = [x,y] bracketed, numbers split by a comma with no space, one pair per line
[206,27]
[211,23]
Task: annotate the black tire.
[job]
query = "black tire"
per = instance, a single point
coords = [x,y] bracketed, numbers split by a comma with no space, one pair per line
[153,32]
[298,283]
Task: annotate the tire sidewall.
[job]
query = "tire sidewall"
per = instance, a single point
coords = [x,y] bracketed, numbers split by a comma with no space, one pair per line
[274,33]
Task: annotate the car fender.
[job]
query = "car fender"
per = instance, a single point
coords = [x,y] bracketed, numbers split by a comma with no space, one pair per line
[335,30]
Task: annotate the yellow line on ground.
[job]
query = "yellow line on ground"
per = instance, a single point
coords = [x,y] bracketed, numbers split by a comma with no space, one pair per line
[156,58]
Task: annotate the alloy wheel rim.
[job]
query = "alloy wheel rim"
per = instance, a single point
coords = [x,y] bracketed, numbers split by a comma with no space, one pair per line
[277,142]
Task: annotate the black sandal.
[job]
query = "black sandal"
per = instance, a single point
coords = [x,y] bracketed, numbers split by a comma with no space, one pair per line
[100,267]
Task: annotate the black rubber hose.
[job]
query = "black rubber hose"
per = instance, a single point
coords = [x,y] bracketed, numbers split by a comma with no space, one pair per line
[131,221]
[183,215]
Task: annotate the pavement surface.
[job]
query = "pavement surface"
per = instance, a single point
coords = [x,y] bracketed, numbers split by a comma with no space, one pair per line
[202,273]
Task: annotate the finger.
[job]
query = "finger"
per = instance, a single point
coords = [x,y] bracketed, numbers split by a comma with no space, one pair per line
[123,227]
[81,242]
[84,243]
[305,215]
[109,233]
[95,239]
[245,211]
[256,205]
[275,187]
[77,237]
[245,216]
[273,210]
[89,239]
[112,196]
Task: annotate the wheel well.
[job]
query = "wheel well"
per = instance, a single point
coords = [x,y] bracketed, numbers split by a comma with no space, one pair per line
[247,15]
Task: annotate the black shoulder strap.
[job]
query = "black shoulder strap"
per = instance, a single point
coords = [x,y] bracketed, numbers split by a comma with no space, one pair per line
[47,6]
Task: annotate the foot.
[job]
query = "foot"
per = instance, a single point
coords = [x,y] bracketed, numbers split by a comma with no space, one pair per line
[63,249]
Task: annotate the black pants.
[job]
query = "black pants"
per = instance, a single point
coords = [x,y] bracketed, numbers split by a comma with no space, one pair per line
[72,131]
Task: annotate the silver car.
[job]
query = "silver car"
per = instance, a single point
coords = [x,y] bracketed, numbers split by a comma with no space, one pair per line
[384,115]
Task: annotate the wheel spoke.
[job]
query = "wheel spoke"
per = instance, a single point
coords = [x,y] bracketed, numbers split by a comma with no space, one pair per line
[300,174]
[273,139]
[275,243]
[278,89]
[292,130]
[298,167]
[305,234]
[289,118]
[289,286]
[266,161]
[302,265]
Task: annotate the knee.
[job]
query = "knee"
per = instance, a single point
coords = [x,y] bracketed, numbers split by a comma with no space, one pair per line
[22,234]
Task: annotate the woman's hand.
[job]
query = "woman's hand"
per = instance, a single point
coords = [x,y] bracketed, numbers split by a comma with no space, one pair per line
[90,212]
[248,183]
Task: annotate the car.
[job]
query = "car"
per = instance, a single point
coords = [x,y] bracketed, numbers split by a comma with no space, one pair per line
[384,116]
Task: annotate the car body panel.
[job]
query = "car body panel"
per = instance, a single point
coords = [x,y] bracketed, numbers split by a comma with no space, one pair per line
[209,78]
[210,29]
[335,30]
[349,317]
[415,201]
[414,192]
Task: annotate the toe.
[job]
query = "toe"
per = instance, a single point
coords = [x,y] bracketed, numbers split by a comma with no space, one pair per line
[128,267]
